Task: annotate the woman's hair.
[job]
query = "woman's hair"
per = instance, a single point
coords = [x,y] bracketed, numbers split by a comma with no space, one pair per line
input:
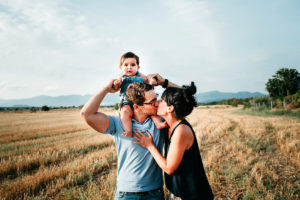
[182,99]
[129,55]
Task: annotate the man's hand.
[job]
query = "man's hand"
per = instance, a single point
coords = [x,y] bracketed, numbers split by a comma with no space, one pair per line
[111,87]
[155,79]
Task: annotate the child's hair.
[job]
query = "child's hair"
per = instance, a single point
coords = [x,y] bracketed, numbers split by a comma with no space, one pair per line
[135,93]
[182,99]
[129,55]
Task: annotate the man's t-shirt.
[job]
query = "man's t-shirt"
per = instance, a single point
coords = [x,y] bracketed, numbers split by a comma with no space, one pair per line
[137,169]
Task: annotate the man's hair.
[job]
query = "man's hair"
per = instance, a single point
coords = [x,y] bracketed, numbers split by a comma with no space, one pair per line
[135,93]
[129,55]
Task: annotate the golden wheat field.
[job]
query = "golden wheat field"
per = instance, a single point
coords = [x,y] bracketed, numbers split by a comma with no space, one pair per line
[54,155]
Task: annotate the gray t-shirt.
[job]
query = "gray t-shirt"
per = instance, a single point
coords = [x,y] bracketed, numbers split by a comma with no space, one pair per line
[137,169]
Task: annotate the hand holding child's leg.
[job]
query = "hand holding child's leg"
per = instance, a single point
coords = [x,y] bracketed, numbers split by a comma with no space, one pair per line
[153,81]
[158,123]
[126,115]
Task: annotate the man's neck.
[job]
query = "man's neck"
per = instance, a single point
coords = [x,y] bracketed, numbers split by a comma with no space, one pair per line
[140,117]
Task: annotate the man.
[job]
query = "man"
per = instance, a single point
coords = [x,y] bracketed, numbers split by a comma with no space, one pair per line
[139,177]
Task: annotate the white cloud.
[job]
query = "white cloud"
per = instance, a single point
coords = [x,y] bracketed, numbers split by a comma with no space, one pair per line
[189,11]
[44,21]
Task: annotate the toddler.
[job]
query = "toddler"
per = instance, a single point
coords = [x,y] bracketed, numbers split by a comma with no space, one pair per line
[129,65]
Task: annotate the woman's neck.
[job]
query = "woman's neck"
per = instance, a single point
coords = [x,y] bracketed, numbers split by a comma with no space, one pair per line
[172,122]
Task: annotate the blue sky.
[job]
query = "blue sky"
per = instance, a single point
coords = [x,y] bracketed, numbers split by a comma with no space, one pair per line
[61,47]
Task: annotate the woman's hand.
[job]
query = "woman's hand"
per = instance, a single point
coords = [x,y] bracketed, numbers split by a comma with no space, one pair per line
[155,79]
[145,141]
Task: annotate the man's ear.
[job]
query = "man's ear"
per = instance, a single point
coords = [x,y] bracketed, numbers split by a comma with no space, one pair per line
[135,107]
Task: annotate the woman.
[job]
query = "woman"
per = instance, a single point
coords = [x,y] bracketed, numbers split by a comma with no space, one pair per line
[184,173]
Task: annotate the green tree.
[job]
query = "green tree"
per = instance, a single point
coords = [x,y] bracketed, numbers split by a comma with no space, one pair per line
[45,108]
[285,82]
[116,106]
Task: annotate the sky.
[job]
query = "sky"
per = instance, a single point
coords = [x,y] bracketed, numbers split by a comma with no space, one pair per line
[63,47]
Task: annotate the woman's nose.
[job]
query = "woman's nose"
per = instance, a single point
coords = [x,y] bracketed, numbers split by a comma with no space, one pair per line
[157,102]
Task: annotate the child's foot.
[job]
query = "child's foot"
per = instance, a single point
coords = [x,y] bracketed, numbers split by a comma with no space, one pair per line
[127,134]
[162,125]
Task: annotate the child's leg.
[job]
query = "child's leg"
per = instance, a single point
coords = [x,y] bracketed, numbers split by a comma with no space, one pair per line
[126,114]
[158,123]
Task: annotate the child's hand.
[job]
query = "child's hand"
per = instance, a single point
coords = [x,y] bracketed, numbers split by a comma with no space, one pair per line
[110,86]
[117,84]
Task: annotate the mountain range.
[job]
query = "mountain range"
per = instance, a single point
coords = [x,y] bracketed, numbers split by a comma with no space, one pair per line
[111,99]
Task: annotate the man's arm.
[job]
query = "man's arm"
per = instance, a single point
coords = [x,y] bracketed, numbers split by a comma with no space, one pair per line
[89,113]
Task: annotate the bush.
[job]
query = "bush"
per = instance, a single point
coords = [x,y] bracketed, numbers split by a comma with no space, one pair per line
[45,108]
[33,109]
[116,106]
[247,105]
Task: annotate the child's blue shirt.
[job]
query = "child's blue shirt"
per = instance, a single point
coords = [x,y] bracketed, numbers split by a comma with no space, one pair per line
[126,81]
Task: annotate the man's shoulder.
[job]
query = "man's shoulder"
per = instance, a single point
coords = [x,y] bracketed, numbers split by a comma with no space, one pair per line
[114,124]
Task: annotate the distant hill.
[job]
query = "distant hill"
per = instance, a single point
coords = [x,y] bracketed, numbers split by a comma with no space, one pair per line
[66,100]
[211,96]
[111,99]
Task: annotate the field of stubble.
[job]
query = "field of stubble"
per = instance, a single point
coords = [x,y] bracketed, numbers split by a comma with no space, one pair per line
[54,155]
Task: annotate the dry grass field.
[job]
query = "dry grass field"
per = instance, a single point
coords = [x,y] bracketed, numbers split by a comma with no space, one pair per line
[54,155]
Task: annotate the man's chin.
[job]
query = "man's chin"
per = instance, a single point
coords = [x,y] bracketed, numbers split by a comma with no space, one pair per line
[153,114]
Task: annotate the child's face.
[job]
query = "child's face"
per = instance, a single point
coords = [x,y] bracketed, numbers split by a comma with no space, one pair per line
[129,67]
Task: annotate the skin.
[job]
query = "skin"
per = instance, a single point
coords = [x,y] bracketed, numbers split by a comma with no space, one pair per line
[129,68]
[181,140]
[100,121]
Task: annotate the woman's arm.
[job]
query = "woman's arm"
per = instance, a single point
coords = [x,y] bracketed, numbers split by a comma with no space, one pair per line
[160,80]
[179,143]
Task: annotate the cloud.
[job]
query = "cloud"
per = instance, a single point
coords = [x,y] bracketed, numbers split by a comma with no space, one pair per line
[51,88]
[189,11]
[4,86]
[44,22]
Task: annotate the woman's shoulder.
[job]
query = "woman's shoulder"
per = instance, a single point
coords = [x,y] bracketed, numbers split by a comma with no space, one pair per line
[183,132]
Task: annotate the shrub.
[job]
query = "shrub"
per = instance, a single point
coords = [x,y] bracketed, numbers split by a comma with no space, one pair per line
[33,109]
[116,106]
[247,105]
[45,108]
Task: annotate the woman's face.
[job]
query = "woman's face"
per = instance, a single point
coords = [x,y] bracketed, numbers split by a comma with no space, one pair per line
[162,107]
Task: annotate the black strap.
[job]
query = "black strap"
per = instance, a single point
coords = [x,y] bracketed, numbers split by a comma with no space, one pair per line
[175,128]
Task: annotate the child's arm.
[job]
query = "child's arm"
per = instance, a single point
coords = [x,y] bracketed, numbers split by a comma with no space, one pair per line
[144,77]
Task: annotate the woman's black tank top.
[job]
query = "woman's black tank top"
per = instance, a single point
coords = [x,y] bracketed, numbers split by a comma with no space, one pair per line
[189,180]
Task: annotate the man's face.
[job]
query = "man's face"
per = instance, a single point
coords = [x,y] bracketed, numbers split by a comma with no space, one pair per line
[150,105]
[162,107]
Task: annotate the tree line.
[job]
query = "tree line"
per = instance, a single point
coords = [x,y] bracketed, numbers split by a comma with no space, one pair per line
[284,93]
